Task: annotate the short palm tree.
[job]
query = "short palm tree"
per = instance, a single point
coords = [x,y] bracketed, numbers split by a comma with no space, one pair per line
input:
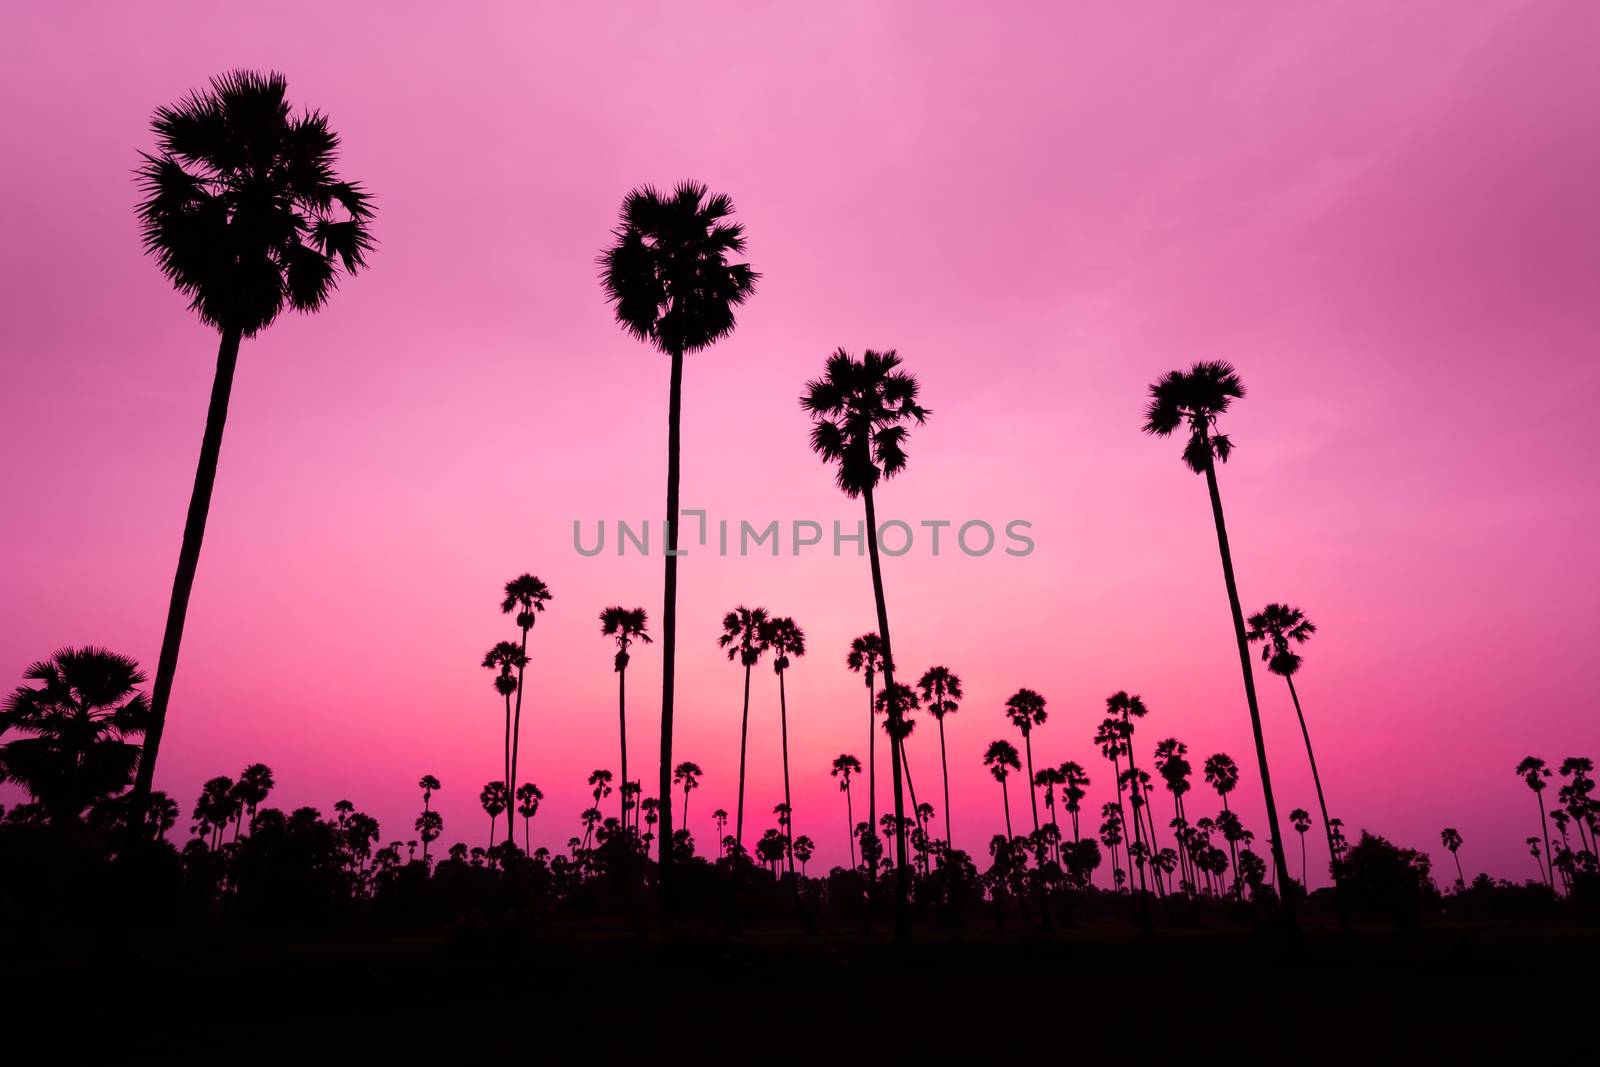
[428,784]
[255,783]
[80,727]
[941,695]
[1300,819]
[866,659]
[1533,772]
[1222,774]
[245,215]
[844,766]
[861,410]
[687,775]
[1125,708]
[1074,783]
[527,596]
[528,798]
[1001,758]
[802,851]
[625,626]
[744,636]
[495,800]
[1450,837]
[786,640]
[1196,398]
[503,659]
[1025,709]
[669,279]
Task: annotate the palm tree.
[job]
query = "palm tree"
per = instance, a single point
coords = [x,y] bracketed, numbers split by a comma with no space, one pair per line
[744,635]
[786,639]
[1049,779]
[860,410]
[1125,708]
[429,825]
[670,282]
[866,658]
[1025,709]
[1173,766]
[162,814]
[1222,774]
[494,799]
[844,765]
[504,658]
[1113,740]
[1450,837]
[527,596]
[1300,819]
[215,807]
[720,817]
[1533,771]
[244,214]
[1001,758]
[1197,397]
[941,695]
[81,725]
[528,798]
[907,701]
[255,782]
[1576,796]
[1074,781]
[802,851]
[687,774]
[427,783]
[625,626]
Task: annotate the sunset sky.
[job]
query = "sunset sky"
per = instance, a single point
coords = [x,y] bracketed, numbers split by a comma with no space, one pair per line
[1384,215]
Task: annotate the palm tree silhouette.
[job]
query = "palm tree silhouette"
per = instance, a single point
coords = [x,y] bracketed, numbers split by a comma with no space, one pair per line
[162,814]
[786,639]
[941,695]
[255,782]
[1197,397]
[81,725]
[429,825]
[428,783]
[1174,769]
[744,635]
[527,596]
[1049,779]
[845,765]
[860,409]
[1300,819]
[1222,774]
[866,658]
[687,774]
[1112,737]
[528,798]
[1533,771]
[1001,758]
[625,626]
[670,283]
[244,213]
[1124,709]
[214,808]
[802,850]
[720,817]
[504,658]
[1074,782]
[1576,796]
[1025,709]
[906,700]
[1450,837]
[495,800]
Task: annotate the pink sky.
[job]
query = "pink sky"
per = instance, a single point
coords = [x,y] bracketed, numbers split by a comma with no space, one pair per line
[1384,215]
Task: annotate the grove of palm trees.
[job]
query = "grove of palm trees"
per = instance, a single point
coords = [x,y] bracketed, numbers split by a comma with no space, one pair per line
[971,863]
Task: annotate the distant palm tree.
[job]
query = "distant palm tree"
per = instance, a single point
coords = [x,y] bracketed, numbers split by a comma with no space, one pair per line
[1533,771]
[1450,837]
[1197,397]
[1074,781]
[625,626]
[244,214]
[255,782]
[941,695]
[744,635]
[1025,709]
[687,774]
[866,658]
[1049,779]
[504,658]
[527,596]
[1577,797]
[80,727]
[845,765]
[428,784]
[786,639]
[899,730]
[1222,774]
[215,807]
[528,799]
[670,282]
[1174,768]
[429,825]
[720,817]
[162,814]
[860,409]
[802,851]
[1112,738]
[1124,708]
[1300,819]
[495,800]
[1001,758]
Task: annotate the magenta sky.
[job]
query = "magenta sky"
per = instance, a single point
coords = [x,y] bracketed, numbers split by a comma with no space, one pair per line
[1384,215]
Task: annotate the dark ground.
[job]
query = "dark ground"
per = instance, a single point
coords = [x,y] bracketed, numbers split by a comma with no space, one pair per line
[1084,994]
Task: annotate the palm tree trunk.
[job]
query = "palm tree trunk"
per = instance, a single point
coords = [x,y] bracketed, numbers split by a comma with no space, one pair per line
[1250,692]
[1304,882]
[1544,826]
[902,890]
[872,764]
[850,822]
[744,733]
[194,532]
[491,830]
[622,732]
[1316,780]
[527,835]
[1461,879]
[783,715]
[685,819]
[944,767]
[669,637]
[506,767]
[516,744]
[1033,800]
[1005,798]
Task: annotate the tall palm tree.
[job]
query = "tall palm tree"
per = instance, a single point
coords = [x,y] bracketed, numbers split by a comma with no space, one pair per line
[255,783]
[528,799]
[786,639]
[1222,774]
[1450,837]
[1001,758]
[495,799]
[80,730]
[504,658]
[1125,708]
[1074,783]
[866,658]
[860,411]
[625,626]
[1300,820]
[244,213]
[527,596]
[1173,766]
[428,784]
[1532,770]
[744,635]
[1025,709]
[1113,741]
[1197,397]
[941,695]
[687,774]
[845,765]
[670,282]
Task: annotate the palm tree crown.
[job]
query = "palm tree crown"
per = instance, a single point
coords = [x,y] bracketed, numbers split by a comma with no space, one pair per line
[527,596]
[1278,626]
[1025,709]
[865,656]
[859,409]
[744,634]
[785,637]
[941,691]
[1196,396]
[1001,758]
[626,625]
